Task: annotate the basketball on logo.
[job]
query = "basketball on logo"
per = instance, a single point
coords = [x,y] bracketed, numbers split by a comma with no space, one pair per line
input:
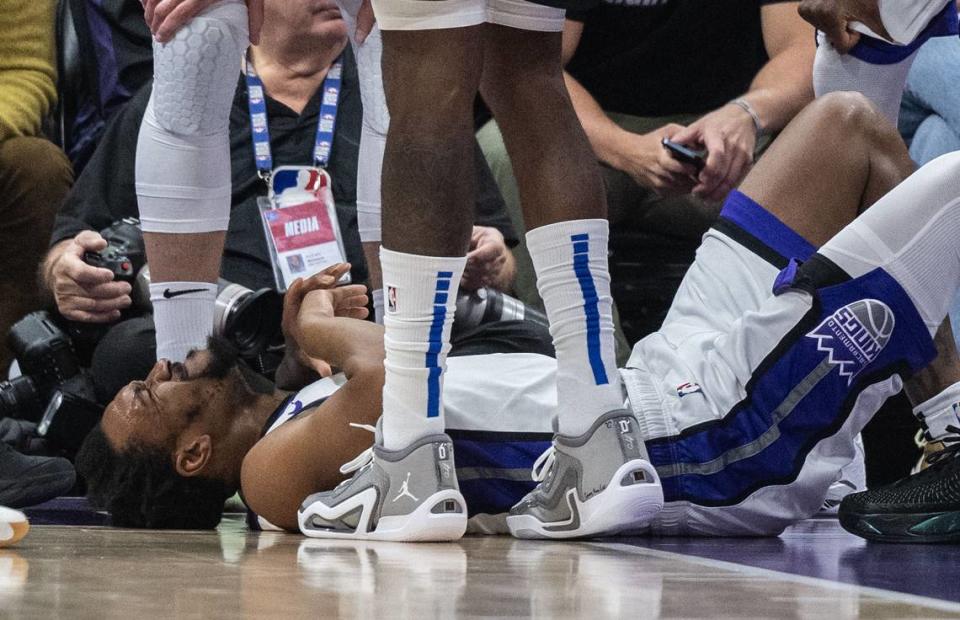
[879,318]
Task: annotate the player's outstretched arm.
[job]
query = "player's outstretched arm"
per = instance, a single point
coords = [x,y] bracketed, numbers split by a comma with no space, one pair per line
[304,455]
[321,319]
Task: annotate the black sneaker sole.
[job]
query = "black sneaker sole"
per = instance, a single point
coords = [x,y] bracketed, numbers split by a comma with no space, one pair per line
[927,527]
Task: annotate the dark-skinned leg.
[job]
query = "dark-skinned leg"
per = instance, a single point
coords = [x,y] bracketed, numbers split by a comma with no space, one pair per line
[556,171]
[430,80]
[561,193]
[562,196]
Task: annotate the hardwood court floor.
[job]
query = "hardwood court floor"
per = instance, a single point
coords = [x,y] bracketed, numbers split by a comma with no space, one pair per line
[93,572]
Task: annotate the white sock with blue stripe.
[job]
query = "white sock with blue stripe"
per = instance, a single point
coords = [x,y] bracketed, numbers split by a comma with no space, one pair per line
[420,298]
[570,259]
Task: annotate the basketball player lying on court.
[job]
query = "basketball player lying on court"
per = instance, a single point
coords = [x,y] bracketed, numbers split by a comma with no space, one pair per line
[746,402]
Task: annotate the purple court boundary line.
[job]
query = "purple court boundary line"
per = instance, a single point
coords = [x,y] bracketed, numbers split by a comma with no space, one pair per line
[889,595]
[820,549]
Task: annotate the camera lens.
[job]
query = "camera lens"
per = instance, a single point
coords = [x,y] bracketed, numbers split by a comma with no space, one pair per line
[19,399]
[249,319]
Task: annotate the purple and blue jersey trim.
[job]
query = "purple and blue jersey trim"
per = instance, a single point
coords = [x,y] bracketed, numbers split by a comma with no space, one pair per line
[494,467]
[795,398]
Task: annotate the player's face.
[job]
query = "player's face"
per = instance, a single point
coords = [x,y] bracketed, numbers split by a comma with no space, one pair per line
[172,397]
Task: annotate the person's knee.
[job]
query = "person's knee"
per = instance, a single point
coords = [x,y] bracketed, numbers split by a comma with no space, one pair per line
[34,162]
[849,112]
[196,72]
[853,119]
[511,89]
[414,73]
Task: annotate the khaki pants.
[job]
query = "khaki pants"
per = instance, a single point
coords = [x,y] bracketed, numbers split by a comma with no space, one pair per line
[35,176]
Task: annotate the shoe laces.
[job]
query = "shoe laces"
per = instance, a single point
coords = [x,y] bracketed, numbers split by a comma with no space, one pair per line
[951,447]
[543,464]
[364,458]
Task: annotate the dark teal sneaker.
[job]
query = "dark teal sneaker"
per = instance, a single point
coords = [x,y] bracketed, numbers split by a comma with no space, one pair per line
[921,508]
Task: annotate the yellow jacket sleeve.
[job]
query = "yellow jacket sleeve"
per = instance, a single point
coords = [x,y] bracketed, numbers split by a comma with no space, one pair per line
[27,66]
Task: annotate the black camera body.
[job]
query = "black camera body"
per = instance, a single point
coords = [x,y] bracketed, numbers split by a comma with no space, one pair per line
[46,360]
[49,368]
[109,258]
[125,253]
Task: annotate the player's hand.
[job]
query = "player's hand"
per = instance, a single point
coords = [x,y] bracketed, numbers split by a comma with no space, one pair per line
[319,296]
[166,17]
[83,292]
[729,136]
[834,17]
[485,260]
[644,158]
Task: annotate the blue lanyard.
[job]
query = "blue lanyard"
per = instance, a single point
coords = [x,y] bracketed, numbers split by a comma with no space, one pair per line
[260,130]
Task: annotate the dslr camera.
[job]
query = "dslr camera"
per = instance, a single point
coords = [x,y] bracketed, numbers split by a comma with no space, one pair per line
[52,391]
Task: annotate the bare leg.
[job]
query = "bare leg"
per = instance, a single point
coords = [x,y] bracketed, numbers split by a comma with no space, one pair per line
[430,78]
[833,161]
[166,253]
[557,174]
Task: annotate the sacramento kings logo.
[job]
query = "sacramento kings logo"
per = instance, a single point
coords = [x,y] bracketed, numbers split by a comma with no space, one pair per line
[854,335]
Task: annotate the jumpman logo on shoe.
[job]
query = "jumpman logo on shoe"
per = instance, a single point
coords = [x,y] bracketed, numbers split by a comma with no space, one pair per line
[405,490]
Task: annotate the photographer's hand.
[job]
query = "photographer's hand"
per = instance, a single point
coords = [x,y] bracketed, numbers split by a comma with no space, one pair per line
[83,292]
[489,261]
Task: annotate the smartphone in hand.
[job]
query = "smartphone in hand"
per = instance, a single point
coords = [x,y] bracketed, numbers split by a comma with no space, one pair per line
[685,154]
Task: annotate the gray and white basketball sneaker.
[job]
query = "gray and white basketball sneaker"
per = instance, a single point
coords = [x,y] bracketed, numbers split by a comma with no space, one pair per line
[403,495]
[597,484]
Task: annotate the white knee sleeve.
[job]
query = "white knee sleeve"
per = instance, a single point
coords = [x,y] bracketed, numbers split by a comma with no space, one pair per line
[912,234]
[183,152]
[376,120]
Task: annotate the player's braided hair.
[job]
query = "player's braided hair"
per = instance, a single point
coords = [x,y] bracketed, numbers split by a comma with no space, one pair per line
[140,487]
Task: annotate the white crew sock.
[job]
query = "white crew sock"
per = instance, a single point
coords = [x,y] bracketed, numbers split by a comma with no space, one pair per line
[183,315]
[378,306]
[570,259]
[881,84]
[421,296]
[939,412]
